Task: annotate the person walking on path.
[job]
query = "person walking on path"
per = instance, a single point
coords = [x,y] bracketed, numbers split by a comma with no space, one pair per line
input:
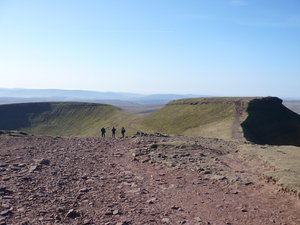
[103,131]
[123,132]
[113,132]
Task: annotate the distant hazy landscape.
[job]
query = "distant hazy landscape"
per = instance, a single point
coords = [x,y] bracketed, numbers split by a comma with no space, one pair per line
[129,101]
[293,105]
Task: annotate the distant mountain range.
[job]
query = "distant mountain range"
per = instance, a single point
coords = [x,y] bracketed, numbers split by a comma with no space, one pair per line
[129,101]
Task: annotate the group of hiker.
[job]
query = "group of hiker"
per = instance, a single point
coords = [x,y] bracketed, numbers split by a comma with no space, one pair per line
[113,132]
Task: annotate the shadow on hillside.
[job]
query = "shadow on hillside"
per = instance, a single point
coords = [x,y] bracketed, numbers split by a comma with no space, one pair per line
[18,116]
[270,122]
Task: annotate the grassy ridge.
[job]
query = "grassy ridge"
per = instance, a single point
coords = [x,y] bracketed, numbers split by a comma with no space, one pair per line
[192,117]
[66,119]
[263,120]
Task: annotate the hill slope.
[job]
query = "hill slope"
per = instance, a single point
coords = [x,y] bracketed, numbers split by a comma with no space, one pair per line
[208,117]
[260,120]
[66,119]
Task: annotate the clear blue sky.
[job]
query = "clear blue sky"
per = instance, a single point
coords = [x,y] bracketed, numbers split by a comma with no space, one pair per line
[213,47]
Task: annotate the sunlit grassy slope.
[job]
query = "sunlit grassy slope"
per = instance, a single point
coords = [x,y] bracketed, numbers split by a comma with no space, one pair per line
[208,117]
[196,117]
[281,164]
[66,119]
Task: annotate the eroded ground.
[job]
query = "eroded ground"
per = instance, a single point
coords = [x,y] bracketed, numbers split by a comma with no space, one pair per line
[139,180]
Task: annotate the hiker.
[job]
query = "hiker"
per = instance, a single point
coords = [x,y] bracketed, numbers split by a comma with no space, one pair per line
[103,131]
[123,132]
[113,132]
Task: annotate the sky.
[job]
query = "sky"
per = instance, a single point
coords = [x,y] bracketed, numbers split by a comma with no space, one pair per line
[207,47]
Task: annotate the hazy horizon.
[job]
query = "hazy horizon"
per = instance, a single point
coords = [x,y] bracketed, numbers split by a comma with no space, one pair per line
[130,95]
[217,47]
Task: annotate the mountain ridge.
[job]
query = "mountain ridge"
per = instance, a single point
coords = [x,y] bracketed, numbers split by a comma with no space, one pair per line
[262,120]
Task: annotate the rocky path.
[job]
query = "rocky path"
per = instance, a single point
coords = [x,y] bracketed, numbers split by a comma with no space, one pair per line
[47,180]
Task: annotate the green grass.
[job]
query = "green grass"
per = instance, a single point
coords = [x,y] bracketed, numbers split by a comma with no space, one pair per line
[190,119]
[207,117]
[85,119]
[282,164]
[65,119]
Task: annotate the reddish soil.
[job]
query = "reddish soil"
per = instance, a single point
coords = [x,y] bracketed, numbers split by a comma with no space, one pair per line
[46,180]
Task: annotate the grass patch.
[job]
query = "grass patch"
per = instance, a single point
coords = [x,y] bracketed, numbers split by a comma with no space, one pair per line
[282,161]
[191,119]
[65,119]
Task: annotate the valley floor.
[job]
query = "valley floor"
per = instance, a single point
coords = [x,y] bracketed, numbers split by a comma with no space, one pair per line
[138,180]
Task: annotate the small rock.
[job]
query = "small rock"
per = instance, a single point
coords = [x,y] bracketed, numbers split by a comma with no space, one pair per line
[34,168]
[84,190]
[165,220]
[234,192]
[146,160]
[5,206]
[15,168]
[21,210]
[175,207]
[73,214]
[6,178]
[86,221]
[206,172]
[198,219]
[248,183]
[2,220]
[108,213]
[60,209]
[45,162]
[6,212]
[5,191]
[84,177]
[218,177]
[115,212]
[124,223]
[151,200]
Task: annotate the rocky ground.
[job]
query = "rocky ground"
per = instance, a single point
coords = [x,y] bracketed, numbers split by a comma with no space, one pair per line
[147,179]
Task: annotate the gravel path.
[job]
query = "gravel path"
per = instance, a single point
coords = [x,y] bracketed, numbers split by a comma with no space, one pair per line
[46,180]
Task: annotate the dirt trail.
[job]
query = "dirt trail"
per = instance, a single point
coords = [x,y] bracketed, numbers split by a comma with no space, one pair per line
[236,132]
[48,180]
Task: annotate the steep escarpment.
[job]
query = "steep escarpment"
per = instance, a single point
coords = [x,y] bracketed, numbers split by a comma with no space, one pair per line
[270,122]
